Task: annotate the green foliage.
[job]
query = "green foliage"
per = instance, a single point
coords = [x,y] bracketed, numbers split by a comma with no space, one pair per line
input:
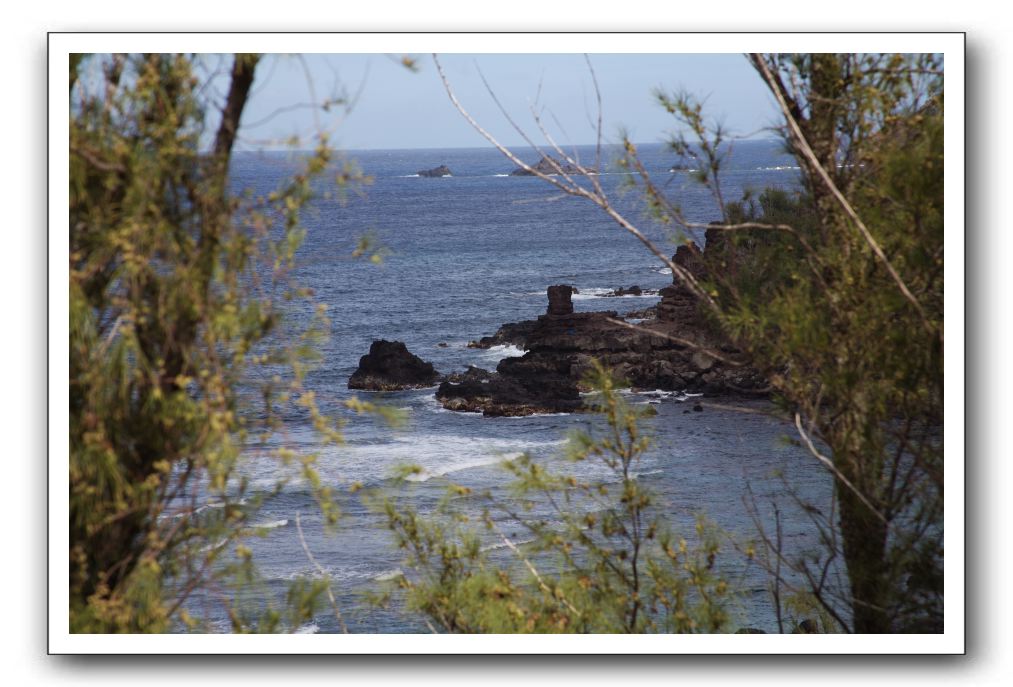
[598,557]
[181,356]
[845,315]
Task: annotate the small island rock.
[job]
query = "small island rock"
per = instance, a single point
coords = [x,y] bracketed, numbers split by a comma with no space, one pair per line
[441,171]
[550,165]
[390,366]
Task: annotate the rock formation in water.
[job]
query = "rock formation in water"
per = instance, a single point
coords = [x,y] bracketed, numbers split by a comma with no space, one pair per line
[631,291]
[673,349]
[441,171]
[550,165]
[506,393]
[510,334]
[390,366]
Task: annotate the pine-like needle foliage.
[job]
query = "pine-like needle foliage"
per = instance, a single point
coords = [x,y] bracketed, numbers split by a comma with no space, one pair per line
[597,555]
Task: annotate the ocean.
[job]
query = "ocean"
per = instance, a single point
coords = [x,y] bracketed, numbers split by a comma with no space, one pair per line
[461,256]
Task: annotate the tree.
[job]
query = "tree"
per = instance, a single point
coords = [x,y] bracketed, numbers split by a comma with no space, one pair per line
[858,335]
[177,329]
[836,294]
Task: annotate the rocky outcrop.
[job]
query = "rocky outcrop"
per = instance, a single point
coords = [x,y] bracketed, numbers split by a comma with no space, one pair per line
[650,313]
[673,349]
[441,171]
[510,334]
[560,300]
[390,366]
[549,165]
[634,290]
[506,394]
[678,304]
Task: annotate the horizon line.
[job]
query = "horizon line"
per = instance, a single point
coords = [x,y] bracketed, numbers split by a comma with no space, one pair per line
[486,147]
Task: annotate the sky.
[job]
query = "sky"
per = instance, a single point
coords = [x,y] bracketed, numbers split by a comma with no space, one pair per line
[397,108]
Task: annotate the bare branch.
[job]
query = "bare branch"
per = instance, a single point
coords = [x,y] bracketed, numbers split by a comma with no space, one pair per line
[534,571]
[597,95]
[320,569]
[595,197]
[837,473]
[675,339]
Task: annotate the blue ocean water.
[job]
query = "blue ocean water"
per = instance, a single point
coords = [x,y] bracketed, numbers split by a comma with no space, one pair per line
[463,255]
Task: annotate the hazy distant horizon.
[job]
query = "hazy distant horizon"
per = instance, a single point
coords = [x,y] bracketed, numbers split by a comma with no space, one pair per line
[398,109]
[487,146]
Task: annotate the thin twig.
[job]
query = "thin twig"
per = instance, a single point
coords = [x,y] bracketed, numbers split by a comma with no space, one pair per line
[837,473]
[597,198]
[320,569]
[675,339]
[534,571]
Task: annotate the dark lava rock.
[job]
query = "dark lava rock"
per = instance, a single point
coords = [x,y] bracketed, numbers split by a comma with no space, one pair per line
[512,333]
[631,291]
[650,313]
[560,302]
[472,374]
[549,165]
[499,395]
[389,366]
[676,350]
[441,171]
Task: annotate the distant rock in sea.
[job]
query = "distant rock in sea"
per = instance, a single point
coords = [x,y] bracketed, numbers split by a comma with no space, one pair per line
[390,366]
[550,165]
[441,171]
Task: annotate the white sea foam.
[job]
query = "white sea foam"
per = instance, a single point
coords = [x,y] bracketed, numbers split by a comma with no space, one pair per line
[662,394]
[311,572]
[434,454]
[274,524]
[428,473]
[777,168]
[437,407]
[501,175]
[389,575]
[499,352]
[595,292]
[217,545]
[503,545]
[183,512]
[308,629]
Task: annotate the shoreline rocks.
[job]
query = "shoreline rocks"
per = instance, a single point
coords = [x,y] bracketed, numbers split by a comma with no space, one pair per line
[504,394]
[390,366]
[634,290]
[510,334]
[659,354]
[674,348]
